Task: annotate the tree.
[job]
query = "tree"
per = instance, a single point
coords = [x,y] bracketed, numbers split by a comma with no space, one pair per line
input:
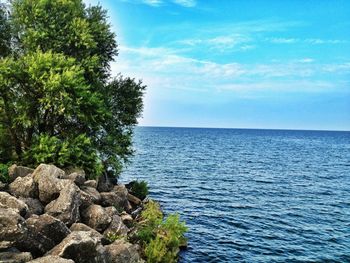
[58,102]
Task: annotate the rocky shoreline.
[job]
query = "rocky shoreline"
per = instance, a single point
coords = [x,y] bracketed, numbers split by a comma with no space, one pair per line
[49,215]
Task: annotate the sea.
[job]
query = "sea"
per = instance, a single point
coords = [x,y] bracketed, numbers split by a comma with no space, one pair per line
[251,195]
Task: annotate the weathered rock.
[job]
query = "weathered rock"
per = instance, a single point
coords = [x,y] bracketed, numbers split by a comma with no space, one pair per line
[127,219]
[12,227]
[112,199]
[24,187]
[136,212]
[104,184]
[83,227]
[35,207]
[80,246]
[66,206]
[9,201]
[49,184]
[121,251]
[44,232]
[91,183]
[96,217]
[51,259]
[133,199]
[77,177]
[89,196]
[18,171]
[15,257]
[111,211]
[116,227]
[3,186]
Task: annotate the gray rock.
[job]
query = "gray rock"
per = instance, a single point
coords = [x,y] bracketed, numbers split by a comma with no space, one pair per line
[9,201]
[127,219]
[89,196]
[12,227]
[112,199]
[24,187]
[77,177]
[3,186]
[45,170]
[83,227]
[66,206]
[96,217]
[121,251]
[44,232]
[35,207]
[18,171]
[116,227]
[133,199]
[15,257]
[51,259]
[80,246]
[104,184]
[91,183]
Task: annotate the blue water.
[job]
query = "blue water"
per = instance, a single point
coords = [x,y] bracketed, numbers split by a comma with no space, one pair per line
[251,195]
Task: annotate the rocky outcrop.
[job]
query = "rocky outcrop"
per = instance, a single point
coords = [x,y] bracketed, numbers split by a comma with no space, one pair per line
[40,205]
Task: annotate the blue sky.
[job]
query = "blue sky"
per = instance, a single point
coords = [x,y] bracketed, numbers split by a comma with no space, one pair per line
[239,64]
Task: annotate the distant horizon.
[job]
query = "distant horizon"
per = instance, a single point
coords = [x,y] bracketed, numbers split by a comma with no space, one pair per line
[237,128]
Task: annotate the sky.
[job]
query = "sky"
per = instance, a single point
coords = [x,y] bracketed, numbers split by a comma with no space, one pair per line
[237,64]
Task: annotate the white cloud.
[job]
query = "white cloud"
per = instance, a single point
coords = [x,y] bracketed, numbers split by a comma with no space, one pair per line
[185,3]
[313,41]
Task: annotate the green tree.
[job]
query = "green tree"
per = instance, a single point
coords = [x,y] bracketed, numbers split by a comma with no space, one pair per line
[58,102]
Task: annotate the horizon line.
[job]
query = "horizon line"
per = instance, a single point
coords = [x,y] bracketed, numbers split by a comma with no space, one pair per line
[239,128]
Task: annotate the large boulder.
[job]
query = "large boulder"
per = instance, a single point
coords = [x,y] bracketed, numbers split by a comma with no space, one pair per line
[121,251]
[9,201]
[12,227]
[51,259]
[24,187]
[133,199]
[96,217]
[89,196]
[80,246]
[104,183]
[35,207]
[15,257]
[77,177]
[83,227]
[66,206]
[43,233]
[91,183]
[112,199]
[116,227]
[18,171]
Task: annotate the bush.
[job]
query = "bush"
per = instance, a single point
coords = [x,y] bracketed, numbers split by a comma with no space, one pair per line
[160,238]
[139,189]
[4,175]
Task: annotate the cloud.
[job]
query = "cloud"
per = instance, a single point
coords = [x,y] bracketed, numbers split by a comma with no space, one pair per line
[158,3]
[313,41]
[186,3]
[152,2]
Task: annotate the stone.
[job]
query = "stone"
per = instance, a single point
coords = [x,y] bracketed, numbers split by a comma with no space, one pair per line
[112,199]
[121,251]
[80,246]
[49,184]
[24,187]
[66,206]
[83,227]
[76,177]
[91,183]
[3,186]
[51,259]
[127,219]
[15,257]
[136,212]
[104,183]
[116,227]
[12,227]
[44,232]
[89,196]
[18,171]
[133,199]
[96,217]
[35,207]
[9,201]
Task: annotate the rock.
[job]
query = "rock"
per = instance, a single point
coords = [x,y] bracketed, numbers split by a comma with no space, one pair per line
[121,251]
[83,227]
[18,171]
[112,199]
[15,257]
[127,219]
[133,199]
[111,211]
[80,246]
[3,186]
[76,177]
[66,206]
[9,201]
[35,207]
[12,227]
[96,217]
[89,196]
[91,183]
[136,212]
[24,187]
[116,227]
[51,259]
[49,184]
[44,232]
[104,183]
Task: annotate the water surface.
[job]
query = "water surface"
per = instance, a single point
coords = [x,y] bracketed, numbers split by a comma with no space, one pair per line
[251,195]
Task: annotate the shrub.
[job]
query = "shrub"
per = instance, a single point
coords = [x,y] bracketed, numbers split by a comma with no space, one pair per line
[113,236]
[4,175]
[139,189]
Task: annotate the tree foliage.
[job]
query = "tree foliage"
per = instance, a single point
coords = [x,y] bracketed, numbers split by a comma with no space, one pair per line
[58,102]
